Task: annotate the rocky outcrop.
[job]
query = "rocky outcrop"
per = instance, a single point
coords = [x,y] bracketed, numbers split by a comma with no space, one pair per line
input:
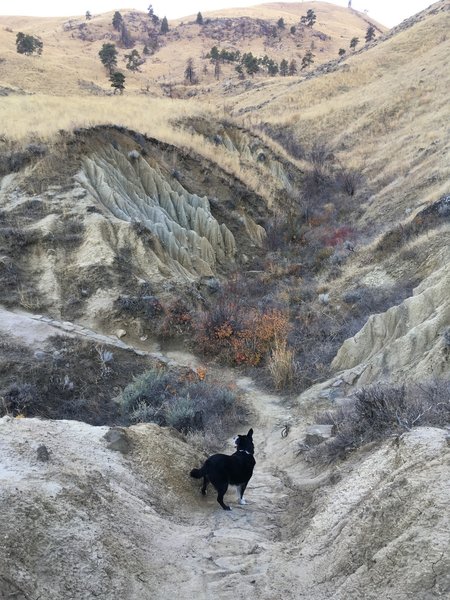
[406,342]
[187,235]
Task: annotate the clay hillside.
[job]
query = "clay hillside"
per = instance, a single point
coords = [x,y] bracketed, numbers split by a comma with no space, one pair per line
[187,260]
[272,33]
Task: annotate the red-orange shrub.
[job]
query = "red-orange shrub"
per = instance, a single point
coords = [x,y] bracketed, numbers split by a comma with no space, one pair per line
[241,336]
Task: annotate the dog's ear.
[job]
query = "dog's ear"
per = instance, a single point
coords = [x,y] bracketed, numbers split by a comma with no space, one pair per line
[250,433]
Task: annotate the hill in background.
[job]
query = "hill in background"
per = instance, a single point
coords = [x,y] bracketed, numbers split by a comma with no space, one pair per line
[70,63]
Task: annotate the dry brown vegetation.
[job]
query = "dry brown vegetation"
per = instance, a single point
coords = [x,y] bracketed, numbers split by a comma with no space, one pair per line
[70,65]
[365,150]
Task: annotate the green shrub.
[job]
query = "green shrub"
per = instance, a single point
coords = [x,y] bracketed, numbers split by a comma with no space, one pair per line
[170,398]
[143,398]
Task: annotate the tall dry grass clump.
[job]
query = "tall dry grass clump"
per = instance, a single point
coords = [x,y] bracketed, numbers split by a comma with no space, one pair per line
[281,365]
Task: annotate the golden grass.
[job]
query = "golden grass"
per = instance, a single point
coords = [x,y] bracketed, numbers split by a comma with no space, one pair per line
[24,119]
[385,112]
[67,60]
[281,365]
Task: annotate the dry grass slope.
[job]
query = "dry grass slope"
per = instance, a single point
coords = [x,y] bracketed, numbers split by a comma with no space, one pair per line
[70,64]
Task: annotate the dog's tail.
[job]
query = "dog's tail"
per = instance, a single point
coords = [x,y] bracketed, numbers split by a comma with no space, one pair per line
[197,473]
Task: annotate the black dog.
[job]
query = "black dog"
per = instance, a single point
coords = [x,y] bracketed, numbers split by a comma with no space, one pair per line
[222,470]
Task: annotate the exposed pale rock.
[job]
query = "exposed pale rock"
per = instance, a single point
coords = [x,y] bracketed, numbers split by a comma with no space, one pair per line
[191,241]
[255,232]
[118,440]
[404,342]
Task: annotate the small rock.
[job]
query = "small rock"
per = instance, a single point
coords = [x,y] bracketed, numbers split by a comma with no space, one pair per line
[316,434]
[117,440]
[42,453]
[120,333]
[350,377]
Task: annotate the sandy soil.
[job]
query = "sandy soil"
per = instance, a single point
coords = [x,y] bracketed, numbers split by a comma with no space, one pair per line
[91,522]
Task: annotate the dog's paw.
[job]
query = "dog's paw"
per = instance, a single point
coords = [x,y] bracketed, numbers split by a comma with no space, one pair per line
[242,501]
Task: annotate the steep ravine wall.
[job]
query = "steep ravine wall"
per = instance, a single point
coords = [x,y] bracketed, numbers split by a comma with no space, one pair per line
[406,342]
[130,189]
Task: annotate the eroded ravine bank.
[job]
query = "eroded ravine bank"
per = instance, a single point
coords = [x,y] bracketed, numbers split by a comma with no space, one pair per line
[127,516]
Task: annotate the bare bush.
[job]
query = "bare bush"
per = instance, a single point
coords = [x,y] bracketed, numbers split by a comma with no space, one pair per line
[277,234]
[378,411]
[349,180]
[320,154]
[286,139]
[281,365]
[146,306]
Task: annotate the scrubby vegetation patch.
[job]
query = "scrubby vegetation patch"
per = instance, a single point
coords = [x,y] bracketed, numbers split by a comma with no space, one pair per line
[379,411]
[185,401]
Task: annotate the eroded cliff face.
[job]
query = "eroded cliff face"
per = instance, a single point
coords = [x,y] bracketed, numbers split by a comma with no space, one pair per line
[189,240]
[407,341]
[121,209]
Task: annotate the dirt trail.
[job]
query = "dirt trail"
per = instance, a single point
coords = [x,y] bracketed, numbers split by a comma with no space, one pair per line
[234,544]
[228,548]
[139,527]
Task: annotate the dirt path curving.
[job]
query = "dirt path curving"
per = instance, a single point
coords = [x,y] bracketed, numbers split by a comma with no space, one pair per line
[231,548]
[135,525]
[228,549]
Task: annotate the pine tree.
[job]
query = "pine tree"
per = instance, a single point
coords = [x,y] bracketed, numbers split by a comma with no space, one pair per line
[108,56]
[354,42]
[214,53]
[272,67]
[88,16]
[307,60]
[117,21]
[151,14]
[342,51]
[199,19]
[117,80]
[309,19]
[134,60]
[370,33]
[250,63]
[164,25]
[189,72]
[125,37]
[28,44]
[293,29]
[293,67]
[284,67]
[281,23]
